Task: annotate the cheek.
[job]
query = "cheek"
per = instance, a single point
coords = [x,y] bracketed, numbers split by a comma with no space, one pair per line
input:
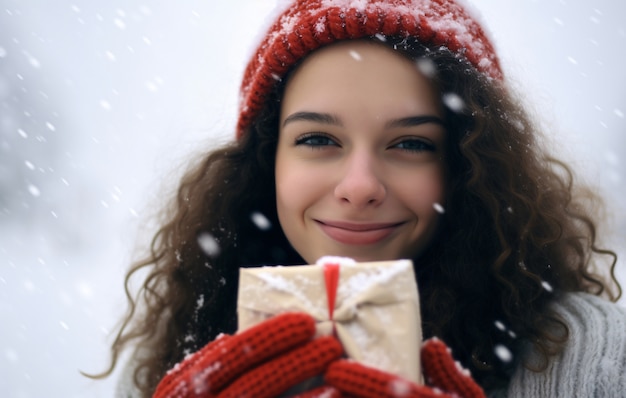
[297,189]
[427,192]
[286,186]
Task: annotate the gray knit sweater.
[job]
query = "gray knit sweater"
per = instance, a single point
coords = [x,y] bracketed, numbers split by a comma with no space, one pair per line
[593,363]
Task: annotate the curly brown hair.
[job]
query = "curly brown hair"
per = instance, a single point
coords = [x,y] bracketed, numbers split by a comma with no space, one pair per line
[516,234]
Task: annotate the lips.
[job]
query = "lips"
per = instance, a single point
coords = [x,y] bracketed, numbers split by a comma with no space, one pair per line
[356,233]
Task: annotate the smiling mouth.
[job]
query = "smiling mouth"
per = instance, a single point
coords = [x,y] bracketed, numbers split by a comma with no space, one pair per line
[357,234]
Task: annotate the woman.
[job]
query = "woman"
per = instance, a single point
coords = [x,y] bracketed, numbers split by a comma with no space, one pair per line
[384,130]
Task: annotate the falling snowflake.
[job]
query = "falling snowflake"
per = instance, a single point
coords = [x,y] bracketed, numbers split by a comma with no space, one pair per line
[355,55]
[105,105]
[151,86]
[399,387]
[427,67]
[200,302]
[439,208]
[500,325]
[34,62]
[260,221]
[119,23]
[208,244]
[454,102]
[547,286]
[503,353]
[34,190]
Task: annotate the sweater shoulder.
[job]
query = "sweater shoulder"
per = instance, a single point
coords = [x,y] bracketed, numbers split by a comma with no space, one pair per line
[577,306]
[593,362]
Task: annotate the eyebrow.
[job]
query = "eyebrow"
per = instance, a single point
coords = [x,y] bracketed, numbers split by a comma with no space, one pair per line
[412,121]
[325,118]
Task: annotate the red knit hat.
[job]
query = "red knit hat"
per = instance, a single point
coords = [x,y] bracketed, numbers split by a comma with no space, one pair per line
[309,24]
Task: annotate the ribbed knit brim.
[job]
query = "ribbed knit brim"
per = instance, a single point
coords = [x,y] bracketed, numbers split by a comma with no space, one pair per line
[309,24]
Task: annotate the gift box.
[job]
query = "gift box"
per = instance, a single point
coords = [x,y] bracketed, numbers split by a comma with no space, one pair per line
[372,307]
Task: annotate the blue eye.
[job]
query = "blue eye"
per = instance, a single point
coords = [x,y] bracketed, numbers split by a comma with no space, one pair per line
[415,145]
[315,140]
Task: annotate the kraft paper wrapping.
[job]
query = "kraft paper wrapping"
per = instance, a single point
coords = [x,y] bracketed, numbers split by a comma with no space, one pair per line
[376,312]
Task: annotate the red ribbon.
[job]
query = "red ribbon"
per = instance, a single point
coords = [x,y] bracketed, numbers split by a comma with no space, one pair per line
[331,277]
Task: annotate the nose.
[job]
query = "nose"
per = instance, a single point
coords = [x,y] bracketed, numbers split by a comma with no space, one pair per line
[360,184]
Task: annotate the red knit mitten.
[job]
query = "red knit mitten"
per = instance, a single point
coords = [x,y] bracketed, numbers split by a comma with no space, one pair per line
[445,378]
[261,361]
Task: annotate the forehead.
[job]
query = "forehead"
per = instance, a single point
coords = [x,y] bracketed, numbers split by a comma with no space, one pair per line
[353,53]
[360,74]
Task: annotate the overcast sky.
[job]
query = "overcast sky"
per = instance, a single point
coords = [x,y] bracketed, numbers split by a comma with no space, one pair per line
[102,102]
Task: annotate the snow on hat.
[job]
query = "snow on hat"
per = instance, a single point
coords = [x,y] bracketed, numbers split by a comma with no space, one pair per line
[306,25]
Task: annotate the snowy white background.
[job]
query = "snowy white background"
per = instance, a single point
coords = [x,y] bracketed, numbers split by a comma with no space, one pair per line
[101,101]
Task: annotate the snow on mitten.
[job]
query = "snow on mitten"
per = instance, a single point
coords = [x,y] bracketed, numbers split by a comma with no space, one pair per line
[261,361]
[444,376]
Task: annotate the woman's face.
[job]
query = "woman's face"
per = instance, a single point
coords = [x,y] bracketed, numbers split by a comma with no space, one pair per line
[360,164]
